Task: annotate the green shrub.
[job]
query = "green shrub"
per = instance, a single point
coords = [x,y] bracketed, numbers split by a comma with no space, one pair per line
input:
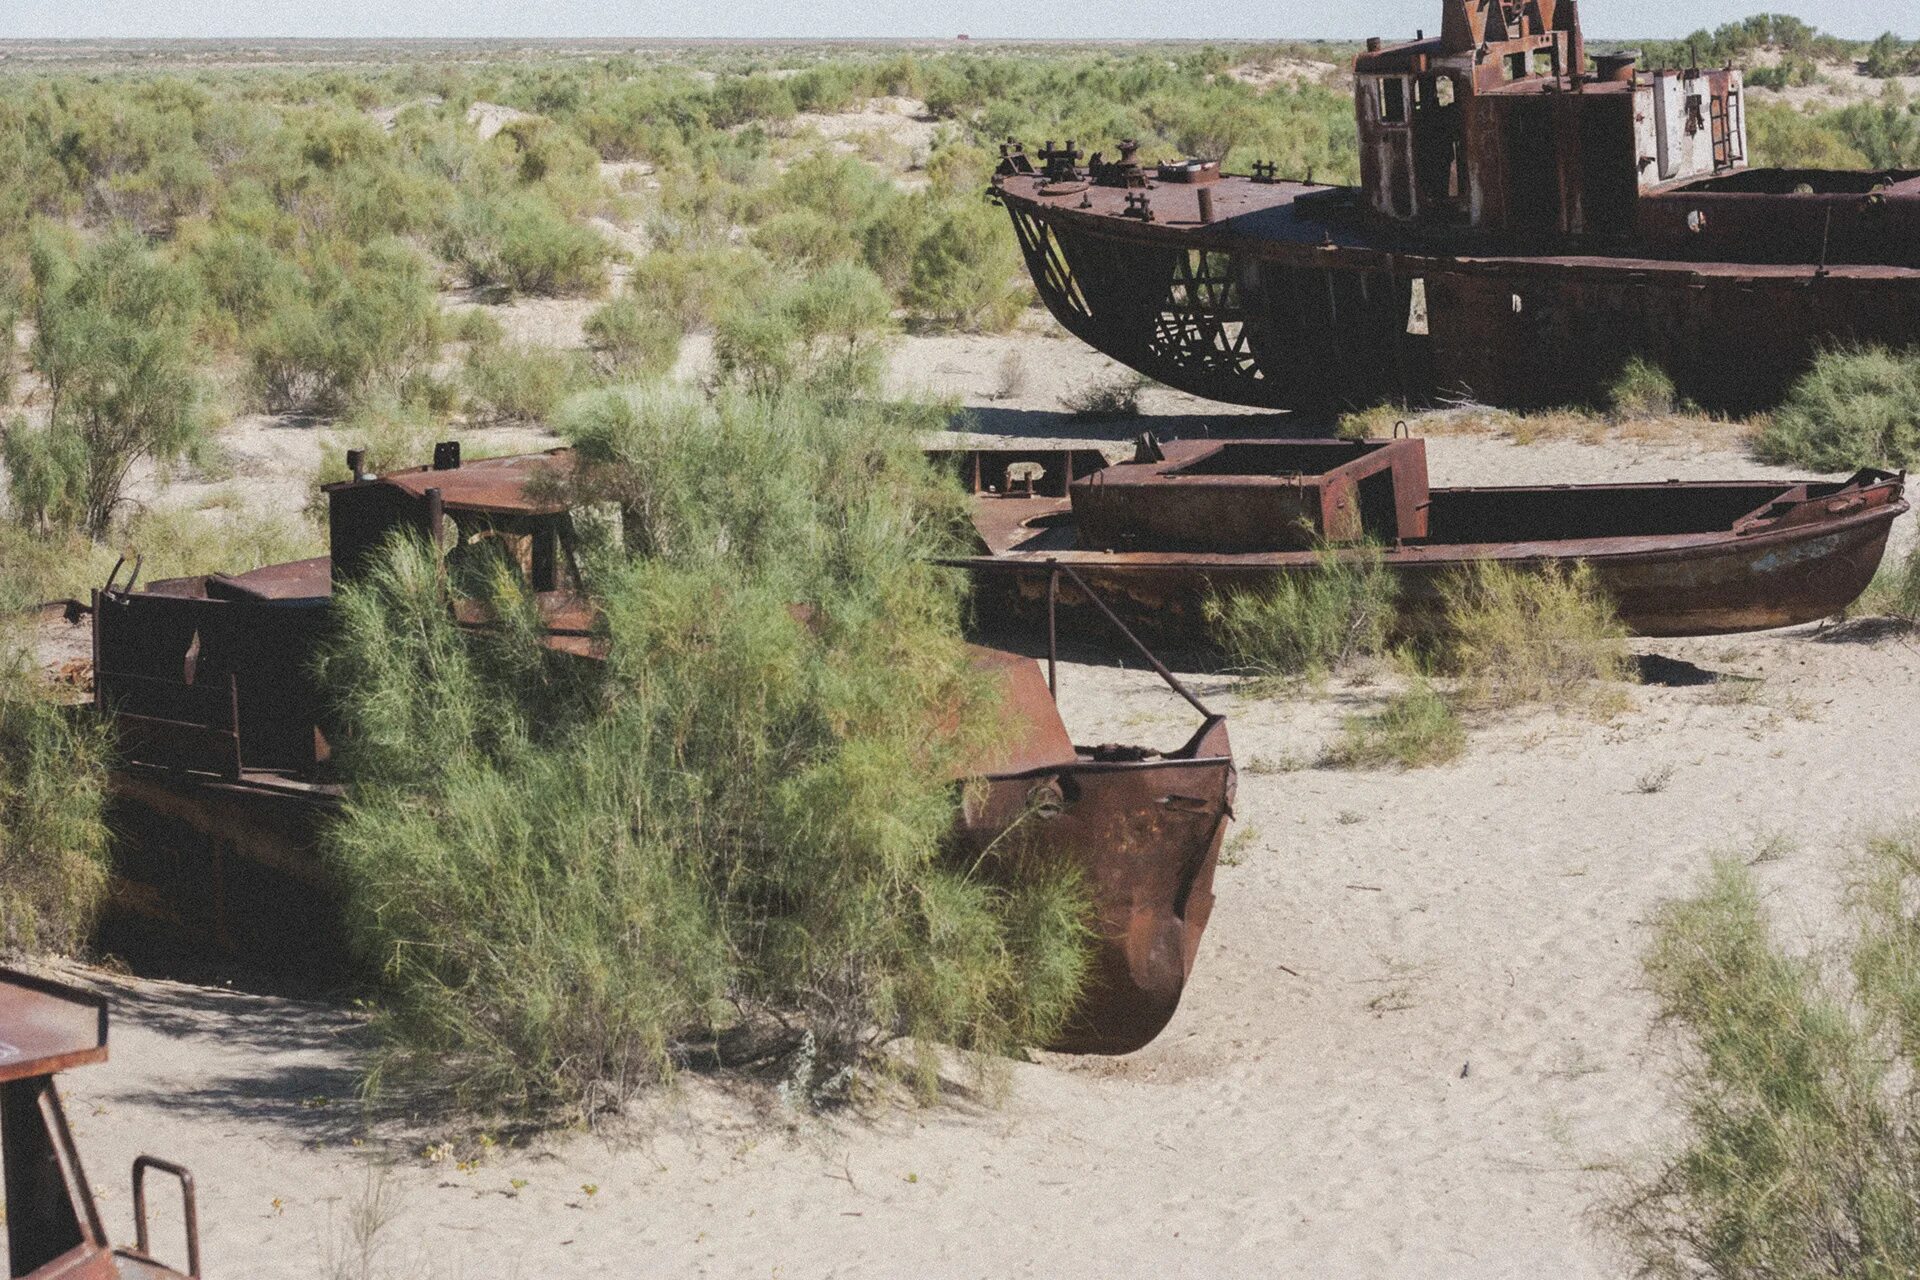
[1643,390]
[173,543]
[478,326]
[571,875]
[1801,1152]
[966,271]
[525,243]
[369,327]
[518,383]
[9,354]
[739,100]
[53,842]
[245,279]
[1890,56]
[696,287]
[53,839]
[633,340]
[394,433]
[1894,592]
[1856,407]
[824,335]
[113,342]
[1416,728]
[1783,137]
[1311,623]
[805,237]
[1531,635]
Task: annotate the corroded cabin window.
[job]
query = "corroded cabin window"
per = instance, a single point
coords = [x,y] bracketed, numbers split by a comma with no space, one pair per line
[1393,100]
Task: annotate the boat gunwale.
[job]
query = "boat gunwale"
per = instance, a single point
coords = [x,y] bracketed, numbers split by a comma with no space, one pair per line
[1612,550]
[1423,259]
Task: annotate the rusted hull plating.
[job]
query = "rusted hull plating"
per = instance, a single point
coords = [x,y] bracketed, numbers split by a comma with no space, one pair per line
[1242,318]
[1719,587]
[1145,836]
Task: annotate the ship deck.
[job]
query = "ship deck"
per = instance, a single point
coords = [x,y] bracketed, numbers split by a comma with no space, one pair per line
[1303,223]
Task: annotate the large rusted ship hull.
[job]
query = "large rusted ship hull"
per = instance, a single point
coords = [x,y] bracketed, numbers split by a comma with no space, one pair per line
[1275,305]
[1695,590]
[1676,559]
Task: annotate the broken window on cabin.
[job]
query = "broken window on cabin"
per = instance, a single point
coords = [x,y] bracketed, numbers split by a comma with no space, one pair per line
[1516,66]
[1443,91]
[1393,101]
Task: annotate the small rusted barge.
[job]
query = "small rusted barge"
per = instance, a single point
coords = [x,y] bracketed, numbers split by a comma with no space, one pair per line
[1153,538]
[1527,220]
[53,1225]
[225,775]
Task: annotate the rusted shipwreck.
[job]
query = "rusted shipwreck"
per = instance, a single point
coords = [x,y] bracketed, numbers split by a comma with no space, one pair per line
[53,1225]
[1154,537]
[1528,220]
[225,766]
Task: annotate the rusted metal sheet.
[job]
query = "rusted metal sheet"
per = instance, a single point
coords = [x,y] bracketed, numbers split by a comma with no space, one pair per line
[1676,559]
[224,775]
[1524,226]
[53,1225]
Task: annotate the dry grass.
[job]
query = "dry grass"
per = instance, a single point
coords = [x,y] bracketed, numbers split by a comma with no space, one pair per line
[1417,727]
[1533,636]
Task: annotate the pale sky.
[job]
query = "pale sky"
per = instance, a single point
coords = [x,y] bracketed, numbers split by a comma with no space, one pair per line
[1024,19]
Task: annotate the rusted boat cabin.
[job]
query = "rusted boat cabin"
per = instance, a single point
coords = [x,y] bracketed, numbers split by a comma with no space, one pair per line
[1497,124]
[52,1226]
[225,735]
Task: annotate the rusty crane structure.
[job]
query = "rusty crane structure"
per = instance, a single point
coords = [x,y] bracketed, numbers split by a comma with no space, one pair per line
[1528,219]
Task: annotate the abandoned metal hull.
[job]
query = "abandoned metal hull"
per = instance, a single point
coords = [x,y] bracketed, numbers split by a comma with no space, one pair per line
[1279,302]
[1144,832]
[231,866]
[1661,585]
[223,784]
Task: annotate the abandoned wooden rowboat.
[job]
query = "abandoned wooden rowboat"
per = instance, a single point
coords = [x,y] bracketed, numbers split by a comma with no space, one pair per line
[224,774]
[1155,537]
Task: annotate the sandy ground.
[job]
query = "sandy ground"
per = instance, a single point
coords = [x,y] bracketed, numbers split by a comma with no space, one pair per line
[1416,1042]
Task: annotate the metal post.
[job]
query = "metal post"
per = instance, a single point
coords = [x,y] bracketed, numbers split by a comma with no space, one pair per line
[1160,668]
[1053,642]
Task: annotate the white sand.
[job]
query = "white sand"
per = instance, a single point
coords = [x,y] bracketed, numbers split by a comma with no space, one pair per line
[1415,1042]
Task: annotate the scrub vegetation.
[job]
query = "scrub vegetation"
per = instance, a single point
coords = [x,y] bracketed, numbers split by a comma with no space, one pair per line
[1801,1151]
[727,842]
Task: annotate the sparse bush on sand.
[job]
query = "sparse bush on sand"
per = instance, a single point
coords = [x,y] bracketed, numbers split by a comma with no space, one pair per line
[631,339]
[1642,390]
[1538,634]
[113,327]
[1116,397]
[1308,624]
[524,242]
[1801,1152]
[824,335]
[726,841]
[362,329]
[1416,727]
[513,383]
[1856,407]
[1894,592]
